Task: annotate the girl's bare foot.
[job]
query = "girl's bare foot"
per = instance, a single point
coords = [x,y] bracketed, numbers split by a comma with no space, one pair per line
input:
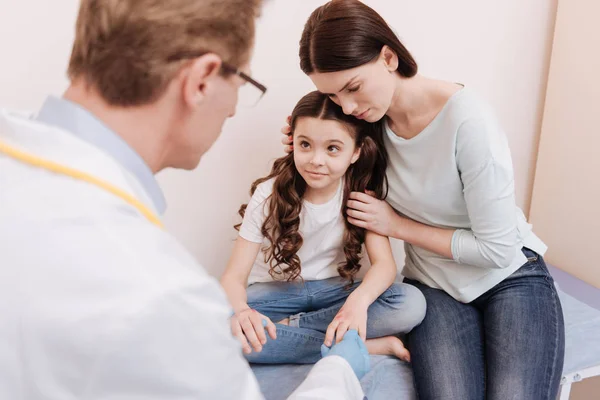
[388,346]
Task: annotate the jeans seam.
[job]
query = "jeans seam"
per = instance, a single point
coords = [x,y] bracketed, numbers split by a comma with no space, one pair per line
[316,313]
[259,303]
[483,353]
[313,294]
[552,371]
[288,331]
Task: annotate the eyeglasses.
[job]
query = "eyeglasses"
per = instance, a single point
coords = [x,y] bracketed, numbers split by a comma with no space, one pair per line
[249,93]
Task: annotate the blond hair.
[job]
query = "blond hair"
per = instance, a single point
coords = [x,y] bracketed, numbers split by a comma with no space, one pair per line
[129,50]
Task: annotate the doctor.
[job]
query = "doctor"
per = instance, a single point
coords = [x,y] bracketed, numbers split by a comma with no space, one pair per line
[97,300]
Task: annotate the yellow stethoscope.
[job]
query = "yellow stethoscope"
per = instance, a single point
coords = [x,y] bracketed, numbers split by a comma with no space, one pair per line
[35,161]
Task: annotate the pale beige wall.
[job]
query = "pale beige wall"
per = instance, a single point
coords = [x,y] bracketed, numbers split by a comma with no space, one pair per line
[501,49]
[565,207]
[588,389]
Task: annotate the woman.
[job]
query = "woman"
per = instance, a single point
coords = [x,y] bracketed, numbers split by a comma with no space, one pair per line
[494,327]
[304,276]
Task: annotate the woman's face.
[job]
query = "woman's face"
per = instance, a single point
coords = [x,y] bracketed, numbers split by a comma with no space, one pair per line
[365,92]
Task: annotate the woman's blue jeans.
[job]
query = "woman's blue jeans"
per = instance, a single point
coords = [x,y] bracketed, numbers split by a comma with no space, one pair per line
[312,305]
[507,344]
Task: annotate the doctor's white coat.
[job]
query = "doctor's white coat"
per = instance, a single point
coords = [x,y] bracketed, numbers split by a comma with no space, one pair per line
[99,303]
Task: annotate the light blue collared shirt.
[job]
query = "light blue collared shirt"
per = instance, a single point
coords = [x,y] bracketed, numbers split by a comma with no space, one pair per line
[83,124]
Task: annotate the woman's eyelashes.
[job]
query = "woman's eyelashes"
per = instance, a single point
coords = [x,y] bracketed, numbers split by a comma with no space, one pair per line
[334,98]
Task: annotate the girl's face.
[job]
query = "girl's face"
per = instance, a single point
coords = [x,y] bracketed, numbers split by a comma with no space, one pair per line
[323,151]
[366,91]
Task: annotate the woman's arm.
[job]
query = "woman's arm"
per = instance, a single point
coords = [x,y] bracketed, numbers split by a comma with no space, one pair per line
[381,275]
[378,216]
[484,162]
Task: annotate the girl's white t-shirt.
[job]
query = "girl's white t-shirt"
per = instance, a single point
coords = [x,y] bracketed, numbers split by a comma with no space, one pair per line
[321,226]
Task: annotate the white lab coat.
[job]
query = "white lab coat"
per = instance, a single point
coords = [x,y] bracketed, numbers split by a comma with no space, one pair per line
[99,303]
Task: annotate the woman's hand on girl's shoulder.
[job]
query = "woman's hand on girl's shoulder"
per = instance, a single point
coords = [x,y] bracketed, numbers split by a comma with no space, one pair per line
[368,212]
[287,139]
[249,325]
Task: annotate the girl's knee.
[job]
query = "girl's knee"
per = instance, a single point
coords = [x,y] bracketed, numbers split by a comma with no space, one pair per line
[406,294]
[408,303]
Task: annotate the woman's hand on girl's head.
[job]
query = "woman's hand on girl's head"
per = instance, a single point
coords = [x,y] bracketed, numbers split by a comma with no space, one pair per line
[352,315]
[247,326]
[287,139]
[367,211]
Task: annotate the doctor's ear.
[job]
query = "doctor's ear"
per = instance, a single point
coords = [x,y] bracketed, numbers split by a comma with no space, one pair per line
[200,73]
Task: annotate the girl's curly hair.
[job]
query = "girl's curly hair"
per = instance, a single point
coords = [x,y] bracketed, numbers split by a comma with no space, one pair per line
[281,226]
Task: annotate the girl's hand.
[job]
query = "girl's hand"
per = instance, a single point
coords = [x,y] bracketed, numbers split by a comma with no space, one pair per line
[247,326]
[367,211]
[287,139]
[352,315]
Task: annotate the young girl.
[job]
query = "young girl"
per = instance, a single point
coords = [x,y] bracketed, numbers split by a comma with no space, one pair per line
[300,256]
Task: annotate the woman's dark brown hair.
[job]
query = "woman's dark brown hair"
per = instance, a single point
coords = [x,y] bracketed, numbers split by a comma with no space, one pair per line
[282,208]
[345,34]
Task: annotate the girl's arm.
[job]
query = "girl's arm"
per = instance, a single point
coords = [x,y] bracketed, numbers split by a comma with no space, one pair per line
[381,275]
[235,278]
[246,324]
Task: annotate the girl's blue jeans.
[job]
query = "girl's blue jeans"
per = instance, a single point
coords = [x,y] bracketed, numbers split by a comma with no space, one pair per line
[312,305]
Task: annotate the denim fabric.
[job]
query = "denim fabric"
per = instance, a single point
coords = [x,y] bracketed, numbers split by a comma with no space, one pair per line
[312,305]
[507,344]
[391,378]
